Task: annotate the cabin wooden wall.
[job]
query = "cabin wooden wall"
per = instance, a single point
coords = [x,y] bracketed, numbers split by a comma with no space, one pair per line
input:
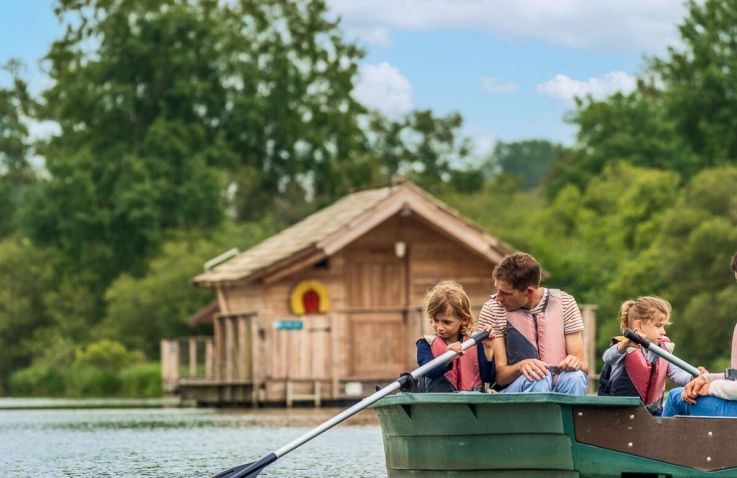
[240,298]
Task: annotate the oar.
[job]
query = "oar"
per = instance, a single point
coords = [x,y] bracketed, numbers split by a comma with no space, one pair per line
[662,353]
[251,470]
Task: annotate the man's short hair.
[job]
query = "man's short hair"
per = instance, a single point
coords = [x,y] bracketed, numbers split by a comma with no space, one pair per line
[519,270]
[734,262]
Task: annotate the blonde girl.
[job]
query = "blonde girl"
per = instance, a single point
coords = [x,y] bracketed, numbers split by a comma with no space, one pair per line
[630,370]
[448,309]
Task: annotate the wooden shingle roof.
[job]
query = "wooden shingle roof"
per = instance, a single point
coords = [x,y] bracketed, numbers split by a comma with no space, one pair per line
[330,229]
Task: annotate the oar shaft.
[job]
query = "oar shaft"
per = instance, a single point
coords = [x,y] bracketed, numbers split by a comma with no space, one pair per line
[441,359]
[327,425]
[662,353]
[253,469]
[391,388]
[674,360]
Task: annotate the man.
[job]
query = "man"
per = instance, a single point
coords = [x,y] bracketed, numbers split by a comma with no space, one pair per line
[711,394]
[538,338]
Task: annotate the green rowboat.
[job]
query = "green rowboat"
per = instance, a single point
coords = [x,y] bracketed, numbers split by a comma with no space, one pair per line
[469,435]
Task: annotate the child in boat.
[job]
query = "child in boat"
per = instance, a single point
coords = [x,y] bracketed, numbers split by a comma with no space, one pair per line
[449,310]
[632,371]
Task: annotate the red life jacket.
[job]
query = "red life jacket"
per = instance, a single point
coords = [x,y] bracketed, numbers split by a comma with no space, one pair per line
[539,336]
[647,378]
[464,375]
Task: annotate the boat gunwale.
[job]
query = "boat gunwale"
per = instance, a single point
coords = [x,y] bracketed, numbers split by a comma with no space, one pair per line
[501,398]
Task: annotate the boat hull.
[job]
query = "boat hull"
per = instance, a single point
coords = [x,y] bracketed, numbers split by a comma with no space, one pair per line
[552,435]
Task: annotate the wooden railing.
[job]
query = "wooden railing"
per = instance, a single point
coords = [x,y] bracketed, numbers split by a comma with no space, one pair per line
[188,358]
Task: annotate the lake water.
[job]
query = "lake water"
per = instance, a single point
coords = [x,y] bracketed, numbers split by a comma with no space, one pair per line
[180,442]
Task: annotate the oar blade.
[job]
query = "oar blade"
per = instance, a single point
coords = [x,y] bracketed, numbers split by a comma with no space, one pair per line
[249,470]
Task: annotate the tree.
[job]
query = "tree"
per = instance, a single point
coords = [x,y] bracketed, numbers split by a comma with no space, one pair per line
[688,264]
[142,310]
[16,174]
[24,272]
[527,161]
[428,149]
[698,81]
[633,128]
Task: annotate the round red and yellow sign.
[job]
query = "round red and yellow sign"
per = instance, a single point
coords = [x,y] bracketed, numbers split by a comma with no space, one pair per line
[310,297]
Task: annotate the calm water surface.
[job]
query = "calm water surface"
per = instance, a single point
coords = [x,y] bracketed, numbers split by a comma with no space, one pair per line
[180,442]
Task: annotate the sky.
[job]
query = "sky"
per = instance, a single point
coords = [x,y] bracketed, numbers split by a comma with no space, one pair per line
[511,67]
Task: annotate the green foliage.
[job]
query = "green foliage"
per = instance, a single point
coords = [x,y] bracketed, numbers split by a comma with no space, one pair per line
[190,89]
[104,368]
[528,161]
[633,128]
[26,273]
[106,355]
[141,380]
[688,264]
[38,380]
[427,149]
[699,81]
[90,381]
[143,310]
[16,175]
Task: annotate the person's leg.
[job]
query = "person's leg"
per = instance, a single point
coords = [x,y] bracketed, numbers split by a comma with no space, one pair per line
[674,404]
[533,386]
[705,406]
[572,383]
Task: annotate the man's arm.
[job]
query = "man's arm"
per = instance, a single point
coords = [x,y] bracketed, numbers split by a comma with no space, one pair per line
[574,353]
[532,369]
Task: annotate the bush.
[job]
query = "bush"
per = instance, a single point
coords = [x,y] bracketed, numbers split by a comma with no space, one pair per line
[92,382]
[102,369]
[141,380]
[107,355]
[37,380]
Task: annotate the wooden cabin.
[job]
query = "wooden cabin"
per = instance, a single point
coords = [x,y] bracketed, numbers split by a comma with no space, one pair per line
[331,306]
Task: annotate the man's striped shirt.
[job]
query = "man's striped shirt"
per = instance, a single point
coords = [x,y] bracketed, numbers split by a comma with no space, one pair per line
[493,313]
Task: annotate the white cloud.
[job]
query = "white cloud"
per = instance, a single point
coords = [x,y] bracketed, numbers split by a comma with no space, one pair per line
[498,86]
[373,35]
[383,87]
[40,130]
[639,25]
[564,88]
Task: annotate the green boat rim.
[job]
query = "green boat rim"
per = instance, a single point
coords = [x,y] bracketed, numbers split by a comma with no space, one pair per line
[475,397]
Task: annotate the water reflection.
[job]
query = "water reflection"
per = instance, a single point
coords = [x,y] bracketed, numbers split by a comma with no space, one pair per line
[183,442]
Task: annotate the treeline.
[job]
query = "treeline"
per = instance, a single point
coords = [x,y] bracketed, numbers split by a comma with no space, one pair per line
[188,127]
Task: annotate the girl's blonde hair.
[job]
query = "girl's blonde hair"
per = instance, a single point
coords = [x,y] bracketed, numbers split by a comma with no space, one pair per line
[449,295]
[644,309]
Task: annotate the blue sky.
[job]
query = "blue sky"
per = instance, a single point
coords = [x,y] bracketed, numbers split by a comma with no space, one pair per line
[510,67]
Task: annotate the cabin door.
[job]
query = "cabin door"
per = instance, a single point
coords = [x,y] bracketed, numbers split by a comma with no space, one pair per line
[303,354]
[377,305]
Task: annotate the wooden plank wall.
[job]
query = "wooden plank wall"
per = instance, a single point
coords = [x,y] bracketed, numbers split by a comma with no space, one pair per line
[374,297]
[302,354]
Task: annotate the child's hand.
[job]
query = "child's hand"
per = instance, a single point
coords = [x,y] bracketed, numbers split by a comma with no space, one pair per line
[456,347]
[625,343]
